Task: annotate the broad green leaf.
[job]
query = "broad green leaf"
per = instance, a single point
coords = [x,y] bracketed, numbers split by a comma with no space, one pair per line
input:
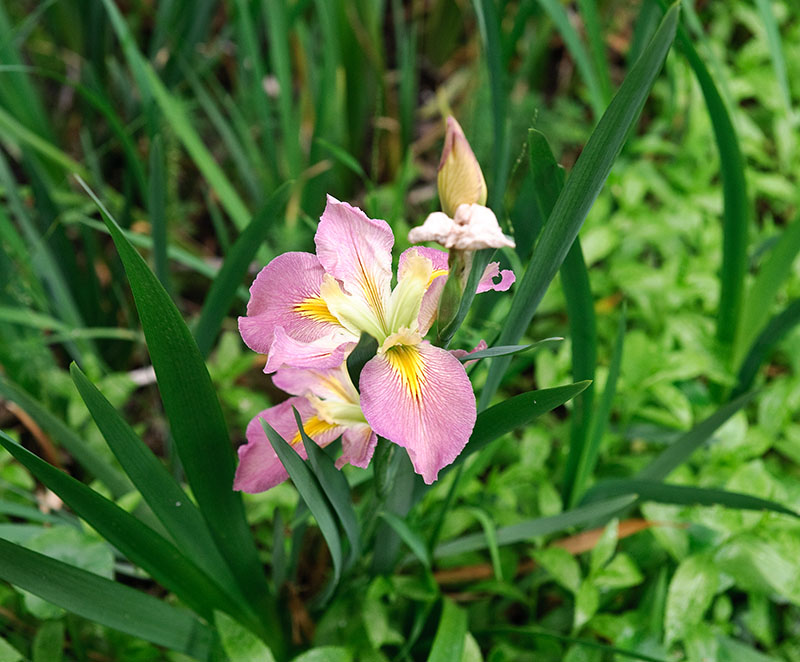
[239,643]
[621,572]
[84,455]
[535,632]
[8,653]
[448,644]
[533,528]
[690,594]
[682,494]
[196,421]
[311,492]
[587,601]
[604,548]
[104,601]
[48,642]
[163,494]
[562,565]
[579,193]
[223,289]
[135,540]
[325,654]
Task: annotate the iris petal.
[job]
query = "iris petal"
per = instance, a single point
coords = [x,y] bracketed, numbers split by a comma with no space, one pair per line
[419,397]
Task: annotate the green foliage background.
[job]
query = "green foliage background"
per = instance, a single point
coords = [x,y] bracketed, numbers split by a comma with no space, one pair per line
[209,136]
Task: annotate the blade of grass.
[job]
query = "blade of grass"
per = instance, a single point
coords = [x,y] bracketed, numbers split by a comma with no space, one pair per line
[410,537]
[489,26]
[737,207]
[104,601]
[336,488]
[229,278]
[558,14]
[581,189]
[516,412]
[549,178]
[138,542]
[541,526]
[157,205]
[507,350]
[313,495]
[175,113]
[761,295]
[776,51]
[597,46]
[599,421]
[196,422]
[647,490]
[773,333]
[679,451]
[163,494]
[95,464]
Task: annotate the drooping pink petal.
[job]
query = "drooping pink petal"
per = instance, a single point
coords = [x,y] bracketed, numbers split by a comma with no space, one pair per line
[286,293]
[325,352]
[328,384]
[357,251]
[430,300]
[461,353]
[358,445]
[492,271]
[259,467]
[419,397]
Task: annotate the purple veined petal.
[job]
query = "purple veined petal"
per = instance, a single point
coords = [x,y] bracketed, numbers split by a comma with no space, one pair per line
[492,271]
[358,445]
[325,352]
[419,397]
[357,251]
[461,353]
[328,384]
[286,293]
[259,467]
[430,300]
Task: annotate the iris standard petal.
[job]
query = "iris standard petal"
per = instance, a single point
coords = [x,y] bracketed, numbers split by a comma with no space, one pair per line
[430,301]
[259,467]
[286,293]
[357,251]
[419,397]
[329,384]
[492,271]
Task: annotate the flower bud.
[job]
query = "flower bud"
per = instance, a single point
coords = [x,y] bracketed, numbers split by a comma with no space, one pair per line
[460,179]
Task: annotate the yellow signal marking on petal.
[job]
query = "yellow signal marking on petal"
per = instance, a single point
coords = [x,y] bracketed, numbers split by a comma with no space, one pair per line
[435,274]
[406,361]
[313,427]
[316,309]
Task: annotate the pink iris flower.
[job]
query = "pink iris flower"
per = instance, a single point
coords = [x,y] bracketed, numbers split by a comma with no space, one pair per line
[328,405]
[308,311]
